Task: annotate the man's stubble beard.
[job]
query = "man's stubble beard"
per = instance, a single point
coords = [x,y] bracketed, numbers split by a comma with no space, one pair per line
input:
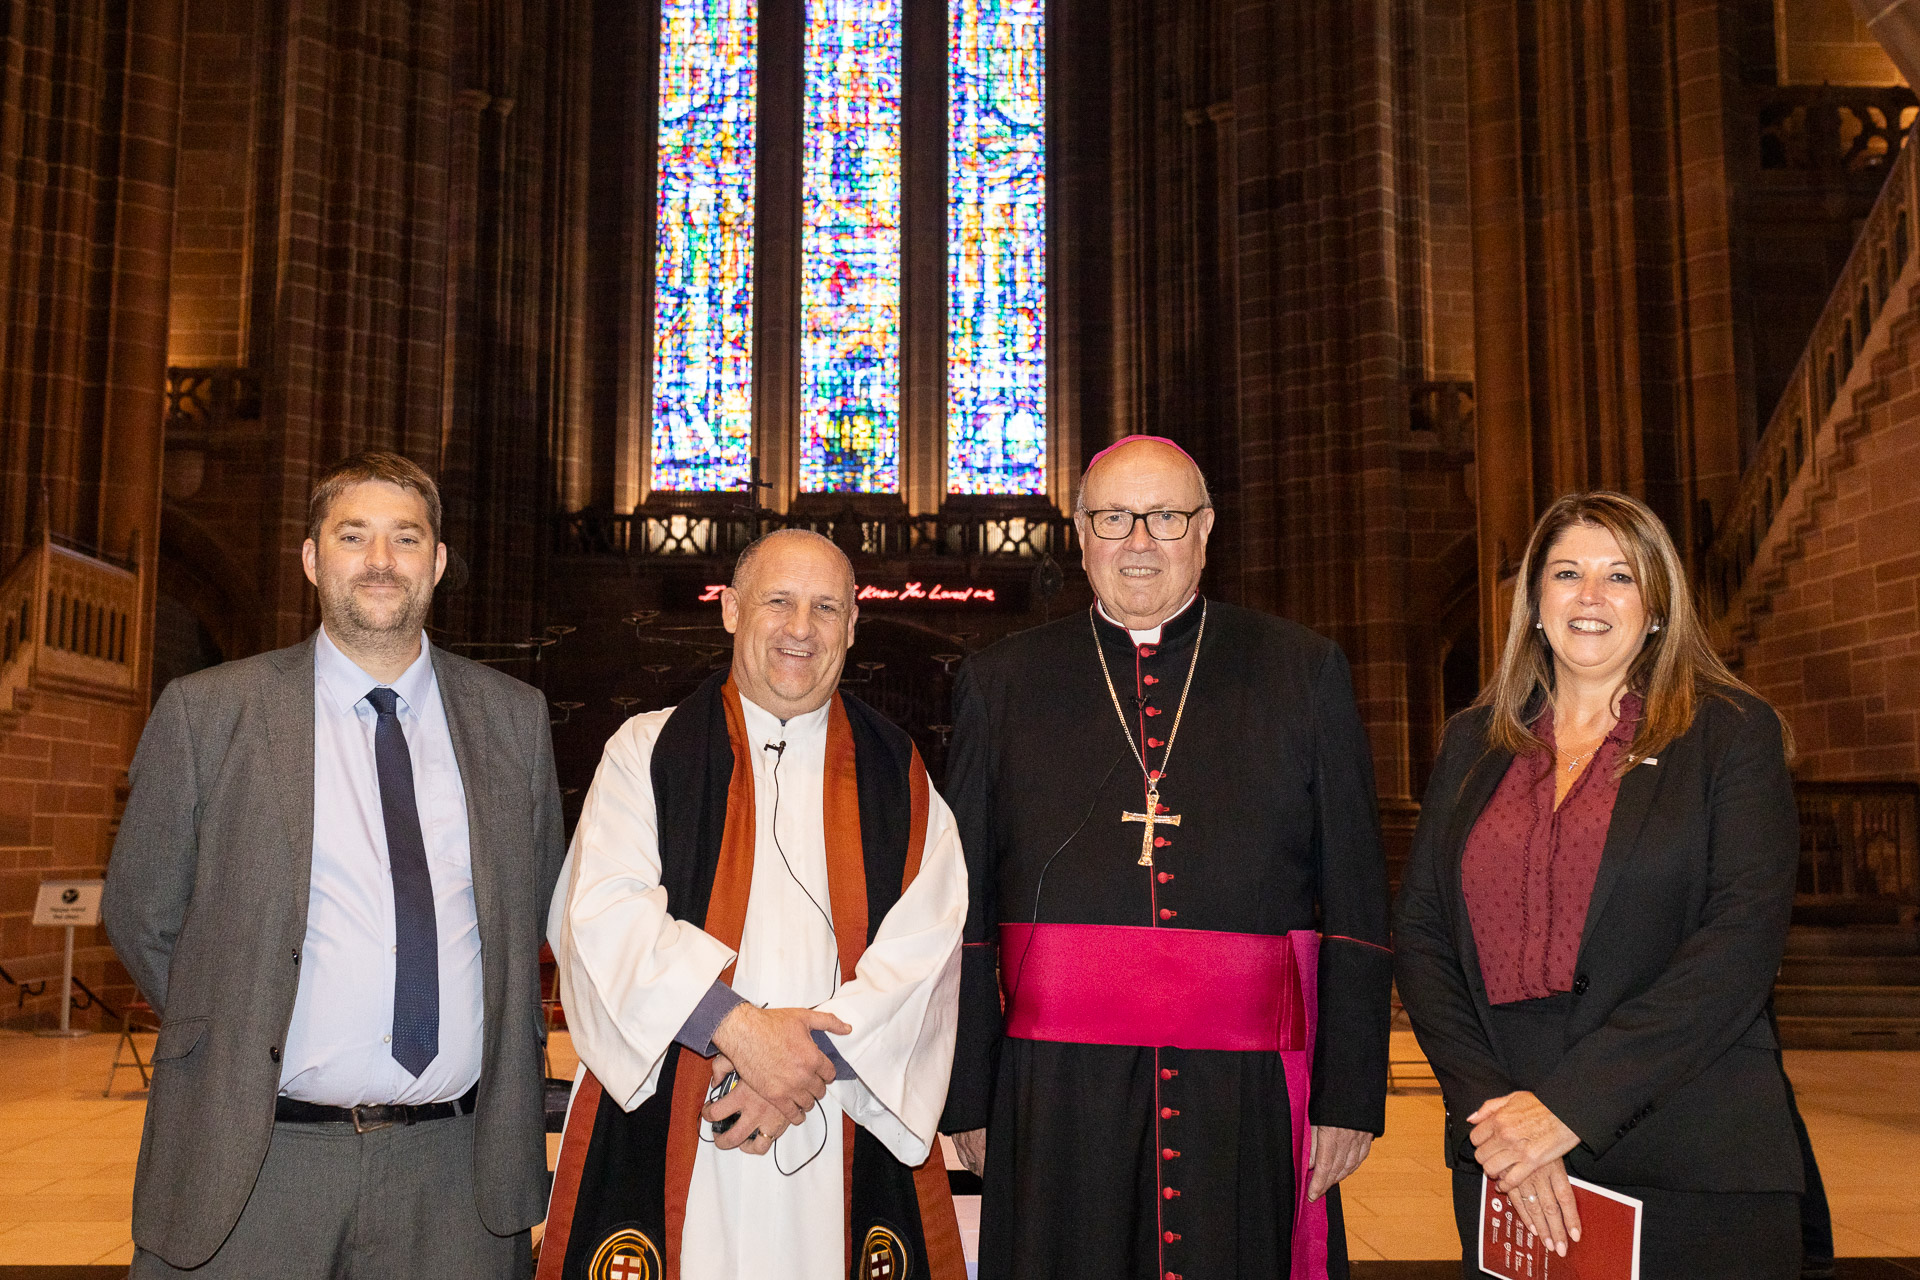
[344,614]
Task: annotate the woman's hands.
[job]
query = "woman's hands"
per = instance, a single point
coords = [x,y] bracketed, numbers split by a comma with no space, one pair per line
[1545,1203]
[1519,1144]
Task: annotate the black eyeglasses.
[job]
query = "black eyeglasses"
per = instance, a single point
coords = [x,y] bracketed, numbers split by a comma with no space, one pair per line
[1115,523]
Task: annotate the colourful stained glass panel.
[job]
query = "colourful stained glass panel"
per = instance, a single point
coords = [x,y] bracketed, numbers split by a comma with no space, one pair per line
[996,248]
[703,274]
[850,249]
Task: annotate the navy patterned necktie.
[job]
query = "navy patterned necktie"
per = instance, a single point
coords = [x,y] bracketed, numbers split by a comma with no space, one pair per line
[416,952]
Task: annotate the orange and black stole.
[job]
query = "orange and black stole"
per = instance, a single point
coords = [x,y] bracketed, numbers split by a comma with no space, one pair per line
[620,1193]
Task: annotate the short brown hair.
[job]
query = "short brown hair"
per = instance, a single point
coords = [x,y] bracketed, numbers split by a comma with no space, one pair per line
[359,469]
[1674,668]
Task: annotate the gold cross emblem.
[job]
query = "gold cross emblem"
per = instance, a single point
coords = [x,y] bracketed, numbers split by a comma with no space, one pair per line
[1152,817]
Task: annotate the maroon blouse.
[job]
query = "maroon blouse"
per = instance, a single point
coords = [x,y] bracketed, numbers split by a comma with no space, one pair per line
[1529,868]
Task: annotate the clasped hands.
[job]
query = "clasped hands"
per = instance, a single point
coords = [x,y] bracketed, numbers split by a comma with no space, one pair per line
[782,1072]
[1519,1144]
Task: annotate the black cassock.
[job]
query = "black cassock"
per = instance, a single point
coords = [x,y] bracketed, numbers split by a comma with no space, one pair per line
[1272,780]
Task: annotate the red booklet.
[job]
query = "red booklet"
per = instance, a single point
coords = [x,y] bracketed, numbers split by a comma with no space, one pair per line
[1608,1247]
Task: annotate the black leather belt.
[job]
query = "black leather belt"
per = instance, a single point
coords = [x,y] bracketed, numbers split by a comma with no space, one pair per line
[367,1119]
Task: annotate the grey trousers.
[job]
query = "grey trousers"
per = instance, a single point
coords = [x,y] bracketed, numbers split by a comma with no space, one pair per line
[332,1204]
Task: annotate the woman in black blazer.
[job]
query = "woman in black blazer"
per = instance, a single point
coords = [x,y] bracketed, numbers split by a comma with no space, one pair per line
[1595,908]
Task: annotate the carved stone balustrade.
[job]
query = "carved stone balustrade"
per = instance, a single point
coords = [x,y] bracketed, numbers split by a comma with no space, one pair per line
[69,620]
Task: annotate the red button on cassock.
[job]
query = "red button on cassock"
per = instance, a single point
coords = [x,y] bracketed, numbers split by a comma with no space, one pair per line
[1168,1113]
[1161,842]
[1170,1236]
[1150,679]
[1152,711]
[1146,651]
[1159,808]
[1168,1073]
[1155,742]
[1168,1193]
[1168,1153]
[1168,913]
[1165,876]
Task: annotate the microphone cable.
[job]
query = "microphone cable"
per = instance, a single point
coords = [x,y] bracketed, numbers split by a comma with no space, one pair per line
[1033,918]
[779,750]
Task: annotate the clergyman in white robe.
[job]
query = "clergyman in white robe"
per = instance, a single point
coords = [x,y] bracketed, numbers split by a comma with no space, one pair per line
[631,974]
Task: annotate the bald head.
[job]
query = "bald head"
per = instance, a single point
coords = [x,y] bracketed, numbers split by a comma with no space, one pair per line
[791,611]
[1143,580]
[1140,454]
[813,544]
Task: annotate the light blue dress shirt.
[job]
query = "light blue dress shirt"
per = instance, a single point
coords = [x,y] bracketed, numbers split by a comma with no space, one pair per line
[339,1045]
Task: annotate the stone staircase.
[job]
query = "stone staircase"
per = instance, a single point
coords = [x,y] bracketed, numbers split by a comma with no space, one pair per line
[14,708]
[1851,987]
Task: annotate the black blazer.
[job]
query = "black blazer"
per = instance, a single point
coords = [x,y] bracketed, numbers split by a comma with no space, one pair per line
[1669,1074]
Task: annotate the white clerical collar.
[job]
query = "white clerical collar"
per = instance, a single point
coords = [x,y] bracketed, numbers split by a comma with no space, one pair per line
[764,726]
[1152,634]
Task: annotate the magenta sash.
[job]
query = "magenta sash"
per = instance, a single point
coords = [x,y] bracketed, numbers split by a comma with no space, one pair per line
[1184,989]
[1125,984]
[1309,1217]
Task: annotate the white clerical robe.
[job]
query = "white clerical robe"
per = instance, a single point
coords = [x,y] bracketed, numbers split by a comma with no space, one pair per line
[631,973]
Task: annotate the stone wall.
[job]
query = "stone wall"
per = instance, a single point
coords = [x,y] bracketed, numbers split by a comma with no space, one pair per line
[62,785]
[1828,628]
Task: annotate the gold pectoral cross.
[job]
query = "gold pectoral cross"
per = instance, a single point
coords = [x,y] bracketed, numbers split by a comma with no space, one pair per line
[1151,817]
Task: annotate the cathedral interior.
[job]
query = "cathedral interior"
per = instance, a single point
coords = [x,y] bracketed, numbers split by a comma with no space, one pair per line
[638,280]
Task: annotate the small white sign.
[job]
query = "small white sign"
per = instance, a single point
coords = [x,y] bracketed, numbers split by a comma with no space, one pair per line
[68,902]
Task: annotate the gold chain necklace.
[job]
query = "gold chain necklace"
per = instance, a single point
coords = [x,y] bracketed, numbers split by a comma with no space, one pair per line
[1152,817]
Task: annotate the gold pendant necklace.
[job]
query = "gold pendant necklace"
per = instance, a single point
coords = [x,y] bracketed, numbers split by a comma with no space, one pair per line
[1152,817]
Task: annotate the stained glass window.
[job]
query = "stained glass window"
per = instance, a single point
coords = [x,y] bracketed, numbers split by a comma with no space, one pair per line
[703,307]
[850,249]
[996,248]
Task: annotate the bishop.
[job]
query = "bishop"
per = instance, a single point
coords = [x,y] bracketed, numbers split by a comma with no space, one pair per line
[1197,1117]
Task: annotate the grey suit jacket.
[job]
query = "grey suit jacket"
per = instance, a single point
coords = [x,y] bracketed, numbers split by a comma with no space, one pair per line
[206,903]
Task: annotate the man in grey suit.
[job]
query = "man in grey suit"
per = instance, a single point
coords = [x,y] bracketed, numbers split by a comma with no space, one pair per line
[331,883]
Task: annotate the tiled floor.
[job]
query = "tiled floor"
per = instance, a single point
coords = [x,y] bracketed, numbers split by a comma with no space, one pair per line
[67,1155]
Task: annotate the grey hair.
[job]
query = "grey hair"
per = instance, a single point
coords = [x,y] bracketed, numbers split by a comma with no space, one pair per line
[1080,491]
[743,567]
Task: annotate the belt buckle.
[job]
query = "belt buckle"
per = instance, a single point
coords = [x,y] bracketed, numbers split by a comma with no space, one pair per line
[370,1125]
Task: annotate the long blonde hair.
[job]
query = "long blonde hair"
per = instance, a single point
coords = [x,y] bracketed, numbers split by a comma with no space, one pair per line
[1675,667]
